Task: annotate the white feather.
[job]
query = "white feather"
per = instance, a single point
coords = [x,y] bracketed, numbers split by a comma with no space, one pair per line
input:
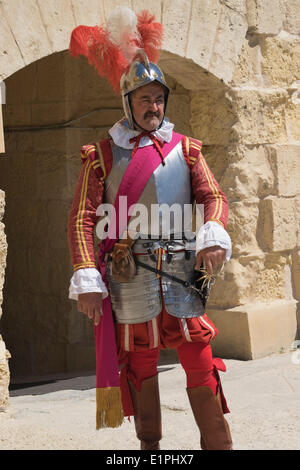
[122,27]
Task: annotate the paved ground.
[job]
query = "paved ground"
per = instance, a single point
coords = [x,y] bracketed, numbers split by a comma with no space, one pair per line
[263,396]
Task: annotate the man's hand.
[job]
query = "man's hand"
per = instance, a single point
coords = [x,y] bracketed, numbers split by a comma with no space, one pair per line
[212,257]
[91,305]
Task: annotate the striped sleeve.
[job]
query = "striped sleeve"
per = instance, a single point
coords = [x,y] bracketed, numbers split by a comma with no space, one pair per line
[88,196]
[206,189]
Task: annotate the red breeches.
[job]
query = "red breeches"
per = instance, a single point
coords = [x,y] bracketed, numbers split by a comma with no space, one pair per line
[195,358]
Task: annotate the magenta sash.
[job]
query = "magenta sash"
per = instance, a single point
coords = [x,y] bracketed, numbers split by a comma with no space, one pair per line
[138,172]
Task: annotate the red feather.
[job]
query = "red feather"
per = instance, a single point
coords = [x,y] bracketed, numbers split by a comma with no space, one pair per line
[106,57]
[94,43]
[151,33]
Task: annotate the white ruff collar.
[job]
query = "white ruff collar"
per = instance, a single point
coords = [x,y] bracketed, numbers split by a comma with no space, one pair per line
[121,134]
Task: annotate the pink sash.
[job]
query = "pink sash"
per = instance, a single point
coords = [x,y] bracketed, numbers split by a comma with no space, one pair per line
[139,170]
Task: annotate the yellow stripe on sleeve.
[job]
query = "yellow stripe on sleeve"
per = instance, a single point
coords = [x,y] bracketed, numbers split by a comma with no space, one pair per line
[79,220]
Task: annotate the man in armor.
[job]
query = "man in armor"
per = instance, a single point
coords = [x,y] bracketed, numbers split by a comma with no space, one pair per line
[156,307]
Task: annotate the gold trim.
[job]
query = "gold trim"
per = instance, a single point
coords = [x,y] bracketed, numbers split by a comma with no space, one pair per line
[81,240]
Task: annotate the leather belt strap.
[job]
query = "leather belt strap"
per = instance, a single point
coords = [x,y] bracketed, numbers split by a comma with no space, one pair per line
[162,273]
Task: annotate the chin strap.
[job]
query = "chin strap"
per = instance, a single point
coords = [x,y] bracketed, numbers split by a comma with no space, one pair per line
[155,141]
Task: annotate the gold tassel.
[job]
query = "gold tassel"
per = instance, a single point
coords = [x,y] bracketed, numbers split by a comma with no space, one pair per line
[109,412]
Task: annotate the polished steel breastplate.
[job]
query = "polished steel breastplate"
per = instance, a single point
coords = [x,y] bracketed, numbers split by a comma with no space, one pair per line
[168,186]
[139,300]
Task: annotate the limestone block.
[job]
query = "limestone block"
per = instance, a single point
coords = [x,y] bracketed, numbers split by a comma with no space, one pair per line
[154,7]
[111,5]
[217,159]
[81,357]
[230,35]
[264,16]
[47,114]
[233,340]
[276,225]
[80,329]
[231,286]
[203,27]
[293,119]
[4,375]
[254,330]
[176,14]
[247,70]
[76,73]
[179,112]
[10,56]
[286,160]
[47,358]
[212,117]
[75,140]
[59,21]
[297,218]
[187,73]
[17,115]
[50,175]
[44,141]
[99,118]
[252,278]
[291,16]
[32,40]
[249,173]
[237,5]
[3,254]
[242,226]
[82,84]
[280,62]
[261,116]
[273,281]
[28,92]
[89,13]
[50,79]
[216,35]
[296,273]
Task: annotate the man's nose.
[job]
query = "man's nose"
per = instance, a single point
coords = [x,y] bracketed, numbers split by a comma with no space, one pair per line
[154,106]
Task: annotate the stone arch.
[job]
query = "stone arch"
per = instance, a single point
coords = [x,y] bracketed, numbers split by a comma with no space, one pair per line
[211,34]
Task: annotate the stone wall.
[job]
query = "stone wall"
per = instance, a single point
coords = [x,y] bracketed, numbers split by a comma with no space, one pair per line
[262,178]
[4,354]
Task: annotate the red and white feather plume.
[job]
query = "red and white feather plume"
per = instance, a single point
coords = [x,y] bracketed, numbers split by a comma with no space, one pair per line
[111,48]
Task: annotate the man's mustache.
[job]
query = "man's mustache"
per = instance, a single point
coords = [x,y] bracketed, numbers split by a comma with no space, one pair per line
[157,114]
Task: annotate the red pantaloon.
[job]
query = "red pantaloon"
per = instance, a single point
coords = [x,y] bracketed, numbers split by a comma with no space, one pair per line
[139,345]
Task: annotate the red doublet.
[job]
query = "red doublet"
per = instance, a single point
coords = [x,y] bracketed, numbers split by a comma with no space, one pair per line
[97,163]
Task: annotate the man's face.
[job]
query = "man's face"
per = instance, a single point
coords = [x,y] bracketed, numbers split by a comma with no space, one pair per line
[147,106]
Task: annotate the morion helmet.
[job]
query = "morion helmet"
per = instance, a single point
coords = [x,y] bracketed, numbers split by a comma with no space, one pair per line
[141,72]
